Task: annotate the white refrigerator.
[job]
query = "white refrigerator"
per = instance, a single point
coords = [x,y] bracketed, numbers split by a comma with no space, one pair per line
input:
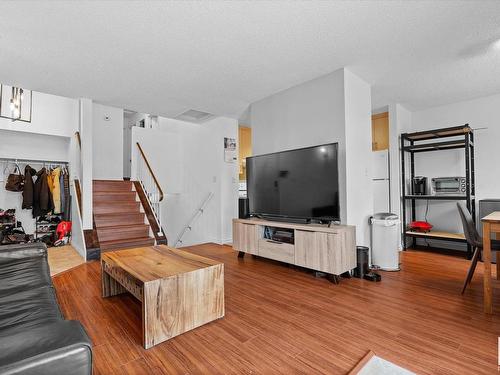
[380,181]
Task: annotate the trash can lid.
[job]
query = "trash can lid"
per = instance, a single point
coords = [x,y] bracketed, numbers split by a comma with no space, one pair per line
[385,216]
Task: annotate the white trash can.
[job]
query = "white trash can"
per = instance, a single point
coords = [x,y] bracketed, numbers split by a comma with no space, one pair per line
[385,241]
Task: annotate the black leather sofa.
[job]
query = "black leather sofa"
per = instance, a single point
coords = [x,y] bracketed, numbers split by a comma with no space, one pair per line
[34,337]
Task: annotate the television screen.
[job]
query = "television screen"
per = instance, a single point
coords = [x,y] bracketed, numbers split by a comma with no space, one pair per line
[299,183]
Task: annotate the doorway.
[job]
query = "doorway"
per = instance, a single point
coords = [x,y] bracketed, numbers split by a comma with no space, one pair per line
[380,164]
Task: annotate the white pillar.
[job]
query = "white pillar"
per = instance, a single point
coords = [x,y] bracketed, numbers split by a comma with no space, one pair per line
[86,161]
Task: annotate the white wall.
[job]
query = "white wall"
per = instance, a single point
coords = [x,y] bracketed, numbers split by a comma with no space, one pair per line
[309,114]
[189,160]
[163,151]
[399,122]
[77,237]
[332,108]
[86,161]
[51,115]
[129,119]
[107,142]
[358,149]
[478,113]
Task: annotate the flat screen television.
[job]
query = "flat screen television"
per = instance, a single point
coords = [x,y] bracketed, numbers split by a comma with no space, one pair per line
[296,184]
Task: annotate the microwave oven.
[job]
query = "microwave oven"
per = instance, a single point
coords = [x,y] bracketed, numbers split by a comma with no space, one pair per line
[448,185]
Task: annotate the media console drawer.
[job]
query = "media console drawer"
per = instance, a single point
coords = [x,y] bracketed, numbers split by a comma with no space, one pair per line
[281,251]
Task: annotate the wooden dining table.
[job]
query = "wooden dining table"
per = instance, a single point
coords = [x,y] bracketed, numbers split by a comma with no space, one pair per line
[491,224]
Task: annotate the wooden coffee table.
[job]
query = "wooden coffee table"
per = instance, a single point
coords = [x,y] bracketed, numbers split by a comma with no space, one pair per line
[179,291]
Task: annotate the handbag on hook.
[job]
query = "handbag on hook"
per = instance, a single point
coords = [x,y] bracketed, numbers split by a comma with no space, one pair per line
[15,180]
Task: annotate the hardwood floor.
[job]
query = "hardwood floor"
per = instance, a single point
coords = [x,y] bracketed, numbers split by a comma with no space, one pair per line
[283,320]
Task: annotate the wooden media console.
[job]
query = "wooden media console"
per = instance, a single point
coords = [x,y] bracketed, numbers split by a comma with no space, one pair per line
[331,250]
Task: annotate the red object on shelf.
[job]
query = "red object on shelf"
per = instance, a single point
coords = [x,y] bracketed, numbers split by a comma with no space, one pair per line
[420,226]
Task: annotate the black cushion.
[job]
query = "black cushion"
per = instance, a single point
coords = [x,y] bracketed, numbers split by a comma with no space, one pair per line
[21,274]
[29,307]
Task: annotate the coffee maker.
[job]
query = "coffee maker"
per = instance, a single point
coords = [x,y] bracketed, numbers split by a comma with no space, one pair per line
[419,185]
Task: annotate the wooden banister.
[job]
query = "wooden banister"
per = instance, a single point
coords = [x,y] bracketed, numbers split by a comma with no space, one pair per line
[150,170]
[78,138]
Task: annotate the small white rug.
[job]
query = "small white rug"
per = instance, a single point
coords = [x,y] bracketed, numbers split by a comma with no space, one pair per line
[374,365]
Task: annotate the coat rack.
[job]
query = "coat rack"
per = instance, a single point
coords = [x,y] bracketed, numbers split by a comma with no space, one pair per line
[33,161]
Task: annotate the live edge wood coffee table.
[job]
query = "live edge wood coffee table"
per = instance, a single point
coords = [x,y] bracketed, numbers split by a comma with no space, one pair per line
[179,291]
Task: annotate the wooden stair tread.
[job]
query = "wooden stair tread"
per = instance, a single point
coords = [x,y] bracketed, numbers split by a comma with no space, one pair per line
[116,215]
[97,182]
[116,203]
[124,226]
[115,192]
[114,219]
[130,239]
[99,193]
[126,243]
[118,208]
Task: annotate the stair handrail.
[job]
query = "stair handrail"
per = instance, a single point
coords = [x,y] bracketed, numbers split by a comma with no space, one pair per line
[197,213]
[146,161]
[150,185]
[78,138]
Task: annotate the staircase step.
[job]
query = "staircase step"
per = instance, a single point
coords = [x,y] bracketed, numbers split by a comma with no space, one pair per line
[109,220]
[122,232]
[116,207]
[126,243]
[107,196]
[110,185]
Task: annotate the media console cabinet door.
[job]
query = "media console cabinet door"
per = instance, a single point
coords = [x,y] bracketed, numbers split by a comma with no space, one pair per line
[245,238]
[332,253]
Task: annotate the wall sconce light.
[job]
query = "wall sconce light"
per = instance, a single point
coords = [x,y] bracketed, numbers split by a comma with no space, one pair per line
[15,103]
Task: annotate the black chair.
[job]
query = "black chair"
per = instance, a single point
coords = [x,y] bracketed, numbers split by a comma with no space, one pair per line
[473,239]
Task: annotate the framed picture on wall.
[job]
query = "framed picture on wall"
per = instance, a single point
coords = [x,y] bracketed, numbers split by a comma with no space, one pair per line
[230,150]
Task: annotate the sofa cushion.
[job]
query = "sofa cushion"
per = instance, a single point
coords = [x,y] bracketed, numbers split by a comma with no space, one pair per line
[29,308]
[61,348]
[24,273]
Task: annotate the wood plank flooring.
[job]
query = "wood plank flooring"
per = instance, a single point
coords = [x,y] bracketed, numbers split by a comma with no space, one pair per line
[280,320]
[63,258]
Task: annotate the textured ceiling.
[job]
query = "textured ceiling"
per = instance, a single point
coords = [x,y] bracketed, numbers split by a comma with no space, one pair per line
[218,57]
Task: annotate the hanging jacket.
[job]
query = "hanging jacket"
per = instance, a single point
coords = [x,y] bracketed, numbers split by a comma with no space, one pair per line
[67,197]
[28,187]
[56,189]
[42,198]
[61,185]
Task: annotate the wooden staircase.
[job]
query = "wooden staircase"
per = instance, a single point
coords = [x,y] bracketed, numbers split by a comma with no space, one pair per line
[118,216]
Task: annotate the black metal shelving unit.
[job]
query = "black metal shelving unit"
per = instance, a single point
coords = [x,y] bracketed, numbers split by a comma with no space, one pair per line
[462,137]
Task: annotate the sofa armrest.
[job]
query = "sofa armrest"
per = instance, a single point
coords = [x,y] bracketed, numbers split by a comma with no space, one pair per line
[27,250]
[55,348]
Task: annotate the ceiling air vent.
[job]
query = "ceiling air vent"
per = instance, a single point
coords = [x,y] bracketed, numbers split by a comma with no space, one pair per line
[193,115]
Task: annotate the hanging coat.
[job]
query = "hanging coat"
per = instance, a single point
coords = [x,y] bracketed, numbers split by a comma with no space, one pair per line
[42,198]
[28,187]
[61,184]
[67,197]
[56,189]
